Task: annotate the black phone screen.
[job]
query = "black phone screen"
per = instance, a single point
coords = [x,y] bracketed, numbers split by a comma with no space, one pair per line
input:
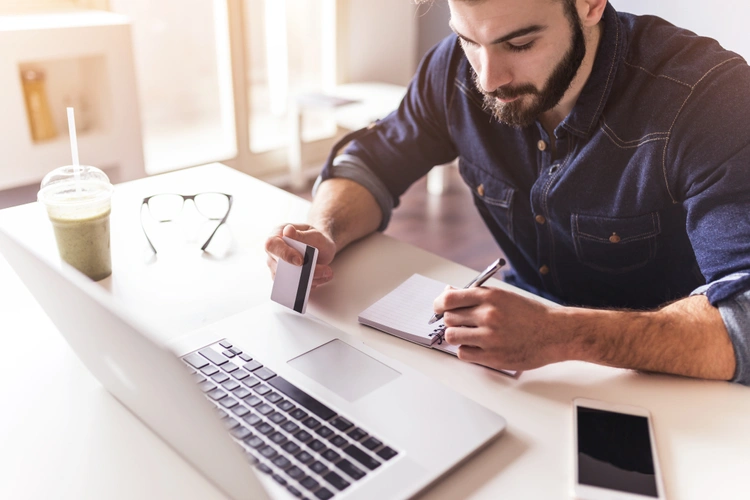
[614,452]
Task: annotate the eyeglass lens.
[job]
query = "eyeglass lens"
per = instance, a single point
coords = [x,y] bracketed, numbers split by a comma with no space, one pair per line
[166,207]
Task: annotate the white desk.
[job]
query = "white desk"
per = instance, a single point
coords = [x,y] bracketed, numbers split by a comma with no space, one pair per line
[63,436]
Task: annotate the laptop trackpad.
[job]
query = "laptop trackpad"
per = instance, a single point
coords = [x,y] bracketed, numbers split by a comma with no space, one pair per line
[347,371]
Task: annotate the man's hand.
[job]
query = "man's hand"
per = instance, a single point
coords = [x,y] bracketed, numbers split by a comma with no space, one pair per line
[277,249]
[500,329]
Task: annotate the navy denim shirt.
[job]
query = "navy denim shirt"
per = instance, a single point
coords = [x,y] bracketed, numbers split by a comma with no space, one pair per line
[647,196]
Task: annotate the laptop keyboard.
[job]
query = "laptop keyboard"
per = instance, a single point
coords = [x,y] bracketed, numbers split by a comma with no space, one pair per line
[304,445]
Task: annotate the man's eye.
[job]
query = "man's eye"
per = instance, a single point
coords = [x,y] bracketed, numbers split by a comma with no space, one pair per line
[520,48]
[466,42]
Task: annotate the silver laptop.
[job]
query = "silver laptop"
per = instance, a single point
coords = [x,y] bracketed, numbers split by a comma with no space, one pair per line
[267,403]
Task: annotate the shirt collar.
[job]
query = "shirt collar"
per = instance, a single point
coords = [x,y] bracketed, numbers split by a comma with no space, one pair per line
[588,108]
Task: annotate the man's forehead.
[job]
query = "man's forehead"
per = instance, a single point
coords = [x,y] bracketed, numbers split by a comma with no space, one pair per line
[496,18]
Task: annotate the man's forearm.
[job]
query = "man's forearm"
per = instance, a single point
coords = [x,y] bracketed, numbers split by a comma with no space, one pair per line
[345,211]
[687,337]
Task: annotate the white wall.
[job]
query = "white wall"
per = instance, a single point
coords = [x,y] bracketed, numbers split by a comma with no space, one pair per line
[722,20]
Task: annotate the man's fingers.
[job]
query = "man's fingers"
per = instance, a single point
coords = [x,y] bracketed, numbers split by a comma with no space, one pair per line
[470,353]
[453,298]
[278,247]
[462,335]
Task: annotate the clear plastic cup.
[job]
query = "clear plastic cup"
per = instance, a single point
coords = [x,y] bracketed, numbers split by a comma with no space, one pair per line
[78,205]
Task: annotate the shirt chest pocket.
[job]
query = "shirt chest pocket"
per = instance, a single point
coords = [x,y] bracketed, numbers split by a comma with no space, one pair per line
[615,244]
[492,196]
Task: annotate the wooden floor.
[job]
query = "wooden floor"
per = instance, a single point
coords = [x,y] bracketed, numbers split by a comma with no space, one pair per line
[447,224]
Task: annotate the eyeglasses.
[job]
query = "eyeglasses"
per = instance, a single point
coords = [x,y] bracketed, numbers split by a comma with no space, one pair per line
[166,207]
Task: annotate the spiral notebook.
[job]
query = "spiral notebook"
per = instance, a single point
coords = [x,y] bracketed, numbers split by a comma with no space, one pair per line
[404,312]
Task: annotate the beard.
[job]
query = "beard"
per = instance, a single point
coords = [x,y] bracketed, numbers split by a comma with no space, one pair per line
[519,115]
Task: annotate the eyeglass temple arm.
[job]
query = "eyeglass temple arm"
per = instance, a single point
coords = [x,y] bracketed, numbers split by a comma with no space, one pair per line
[223,220]
[143,228]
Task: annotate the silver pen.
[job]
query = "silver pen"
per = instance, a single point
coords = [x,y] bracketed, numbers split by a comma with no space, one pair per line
[478,281]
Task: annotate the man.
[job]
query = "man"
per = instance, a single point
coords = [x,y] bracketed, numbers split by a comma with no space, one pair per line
[609,155]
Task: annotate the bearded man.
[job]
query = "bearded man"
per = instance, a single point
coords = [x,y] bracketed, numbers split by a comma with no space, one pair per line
[608,154]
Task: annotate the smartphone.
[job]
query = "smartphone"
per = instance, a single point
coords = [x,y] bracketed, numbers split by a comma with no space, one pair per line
[615,452]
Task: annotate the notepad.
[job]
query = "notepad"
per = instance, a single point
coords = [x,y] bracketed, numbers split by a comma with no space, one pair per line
[404,312]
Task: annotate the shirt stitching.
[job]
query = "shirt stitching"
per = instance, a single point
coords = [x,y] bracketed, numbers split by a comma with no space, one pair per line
[658,76]
[623,141]
[666,144]
[631,146]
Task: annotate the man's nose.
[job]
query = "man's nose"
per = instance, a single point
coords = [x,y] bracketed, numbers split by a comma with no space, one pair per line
[494,72]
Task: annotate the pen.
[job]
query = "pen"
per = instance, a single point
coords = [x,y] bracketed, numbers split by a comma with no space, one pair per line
[478,281]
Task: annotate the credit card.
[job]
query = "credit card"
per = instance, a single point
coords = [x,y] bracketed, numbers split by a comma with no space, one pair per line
[291,287]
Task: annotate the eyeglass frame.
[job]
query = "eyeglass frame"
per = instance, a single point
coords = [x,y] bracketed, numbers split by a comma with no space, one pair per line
[186,197]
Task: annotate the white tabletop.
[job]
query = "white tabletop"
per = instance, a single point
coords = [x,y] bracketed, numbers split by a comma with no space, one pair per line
[63,436]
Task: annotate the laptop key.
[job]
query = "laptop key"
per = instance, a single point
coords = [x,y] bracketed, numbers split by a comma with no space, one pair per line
[371,443]
[324,494]
[295,472]
[241,392]
[240,374]
[281,462]
[337,481]
[240,410]
[216,394]
[299,414]
[229,423]
[356,434]
[316,445]
[250,381]
[279,479]
[290,447]
[361,457]
[229,367]
[264,373]
[196,361]
[240,432]
[318,468]
[274,397]
[262,389]
[303,436]
[253,400]
[339,441]
[341,423]
[294,491]
[252,419]
[220,377]
[245,357]
[228,353]
[324,431]
[304,457]
[264,468]
[252,365]
[311,422]
[198,377]
[254,442]
[277,437]
[330,455]
[228,402]
[264,409]
[268,452]
[213,356]
[206,386]
[286,405]
[225,344]
[277,418]
[209,370]
[265,428]
[301,397]
[230,385]
[309,483]
[290,427]
[387,453]
[350,469]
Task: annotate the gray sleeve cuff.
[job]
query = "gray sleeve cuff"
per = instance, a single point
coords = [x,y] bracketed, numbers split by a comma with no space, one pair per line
[735,312]
[352,168]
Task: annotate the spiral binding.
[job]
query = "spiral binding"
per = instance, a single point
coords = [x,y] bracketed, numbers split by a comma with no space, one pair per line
[439,331]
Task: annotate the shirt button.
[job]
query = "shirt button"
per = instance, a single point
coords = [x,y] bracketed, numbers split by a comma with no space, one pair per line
[540,219]
[544,270]
[614,238]
[480,190]
[541,145]
[554,168]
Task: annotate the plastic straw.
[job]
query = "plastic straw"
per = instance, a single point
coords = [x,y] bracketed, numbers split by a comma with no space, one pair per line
[74,147]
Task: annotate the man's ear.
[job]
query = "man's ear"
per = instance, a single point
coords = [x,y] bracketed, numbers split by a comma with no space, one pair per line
[590,11]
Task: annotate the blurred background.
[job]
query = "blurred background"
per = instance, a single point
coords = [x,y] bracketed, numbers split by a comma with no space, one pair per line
[264,86]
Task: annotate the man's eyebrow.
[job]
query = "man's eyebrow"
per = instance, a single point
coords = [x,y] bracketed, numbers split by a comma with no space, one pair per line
[534,28]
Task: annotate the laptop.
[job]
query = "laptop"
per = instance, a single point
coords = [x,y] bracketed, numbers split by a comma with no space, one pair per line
[267,403]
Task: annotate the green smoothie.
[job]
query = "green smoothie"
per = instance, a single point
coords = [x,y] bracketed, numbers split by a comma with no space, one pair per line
[84,244]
